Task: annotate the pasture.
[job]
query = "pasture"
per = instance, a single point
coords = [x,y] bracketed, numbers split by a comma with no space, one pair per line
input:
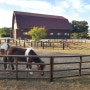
[70,83]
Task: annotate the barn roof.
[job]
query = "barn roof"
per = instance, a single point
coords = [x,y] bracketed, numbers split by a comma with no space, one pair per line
[28,20]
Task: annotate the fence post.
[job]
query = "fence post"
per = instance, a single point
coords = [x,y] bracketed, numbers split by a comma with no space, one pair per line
[31,44]
[50,44]
[16,69]
[16,43]
[43,45]
[19,41]
[37,44]
[5,40]
[80,66]
[63,44]
[53,45]
[24,44]
[51,69]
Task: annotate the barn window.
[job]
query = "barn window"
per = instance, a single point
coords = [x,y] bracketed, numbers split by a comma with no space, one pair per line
[51,33]
[24,33]
[21,29]
[66,34]
[58,33]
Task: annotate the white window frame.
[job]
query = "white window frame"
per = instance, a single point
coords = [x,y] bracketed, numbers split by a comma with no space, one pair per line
[24,33]
[51,33]
[58,33]
[66,34]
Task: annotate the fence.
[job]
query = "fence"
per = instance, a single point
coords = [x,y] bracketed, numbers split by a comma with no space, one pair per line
[69,43]
[53,69]
[26,43]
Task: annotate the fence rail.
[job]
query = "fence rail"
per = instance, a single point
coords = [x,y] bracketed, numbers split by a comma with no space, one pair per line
[51,70]
[60,43]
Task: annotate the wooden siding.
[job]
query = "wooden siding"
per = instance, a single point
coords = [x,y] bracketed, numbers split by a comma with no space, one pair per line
[53,24]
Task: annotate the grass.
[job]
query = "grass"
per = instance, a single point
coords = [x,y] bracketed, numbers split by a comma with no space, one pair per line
[71,83]
[66,51]
[75,83]
[72,49]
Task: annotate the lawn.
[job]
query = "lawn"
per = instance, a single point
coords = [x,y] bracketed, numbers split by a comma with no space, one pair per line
[76,83]
[72,49]
[71,83]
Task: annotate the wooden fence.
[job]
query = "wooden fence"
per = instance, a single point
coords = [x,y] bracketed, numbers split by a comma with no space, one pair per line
[28,43]
[45,44]
[52,68]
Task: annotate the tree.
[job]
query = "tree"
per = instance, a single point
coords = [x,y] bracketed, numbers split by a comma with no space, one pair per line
[80,28]
[5,32]
[37,33]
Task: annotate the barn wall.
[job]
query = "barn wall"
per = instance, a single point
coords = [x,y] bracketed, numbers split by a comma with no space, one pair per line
[57,34]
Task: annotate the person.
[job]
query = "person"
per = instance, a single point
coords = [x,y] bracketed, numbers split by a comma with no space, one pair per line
[5,46]
[3,51]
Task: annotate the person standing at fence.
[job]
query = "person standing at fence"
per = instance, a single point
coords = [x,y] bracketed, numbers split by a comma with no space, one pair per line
[5,46]
[3,51]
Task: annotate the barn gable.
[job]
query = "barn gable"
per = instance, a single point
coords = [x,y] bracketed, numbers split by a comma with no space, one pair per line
[23,21]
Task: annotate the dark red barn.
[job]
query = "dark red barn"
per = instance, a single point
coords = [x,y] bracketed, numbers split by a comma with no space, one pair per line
[57,27]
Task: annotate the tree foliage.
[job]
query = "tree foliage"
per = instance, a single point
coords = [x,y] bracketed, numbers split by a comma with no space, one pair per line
[80,28]
[5,32]
[37,33]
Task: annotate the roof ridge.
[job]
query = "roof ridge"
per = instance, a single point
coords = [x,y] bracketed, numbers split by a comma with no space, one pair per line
[39,15]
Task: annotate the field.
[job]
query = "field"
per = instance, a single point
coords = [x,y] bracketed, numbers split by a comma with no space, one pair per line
[71,83]
[78,83]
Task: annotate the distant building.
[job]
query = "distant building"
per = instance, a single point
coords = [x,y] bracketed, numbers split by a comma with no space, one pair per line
[57,27]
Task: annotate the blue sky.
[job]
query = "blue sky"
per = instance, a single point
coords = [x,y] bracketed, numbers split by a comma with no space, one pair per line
[70,9]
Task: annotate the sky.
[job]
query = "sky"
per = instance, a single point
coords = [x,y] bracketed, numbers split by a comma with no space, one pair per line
[71,9]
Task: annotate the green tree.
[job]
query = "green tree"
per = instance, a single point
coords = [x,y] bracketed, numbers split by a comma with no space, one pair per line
[80,28]
[5,32]
[37,33]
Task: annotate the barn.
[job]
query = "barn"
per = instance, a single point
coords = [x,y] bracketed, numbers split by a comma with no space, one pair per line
[57,27]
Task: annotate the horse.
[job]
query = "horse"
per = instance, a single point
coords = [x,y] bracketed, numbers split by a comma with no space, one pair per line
[23,51]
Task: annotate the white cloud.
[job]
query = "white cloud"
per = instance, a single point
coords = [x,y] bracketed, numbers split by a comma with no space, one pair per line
[71,9]
[76,4]
[37,5]
[5,18]
[28,4]
[87,7]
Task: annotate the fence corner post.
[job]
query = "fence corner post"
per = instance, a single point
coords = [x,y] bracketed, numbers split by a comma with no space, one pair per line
[51,68]
[17,69]
[80,65]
